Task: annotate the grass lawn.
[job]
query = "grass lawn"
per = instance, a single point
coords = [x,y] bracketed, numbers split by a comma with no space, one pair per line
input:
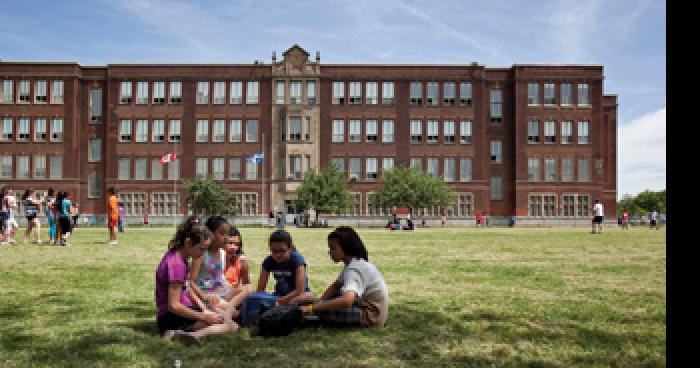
[458,298]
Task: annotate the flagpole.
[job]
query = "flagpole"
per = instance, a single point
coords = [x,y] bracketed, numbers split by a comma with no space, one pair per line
[177,198]
[262,181]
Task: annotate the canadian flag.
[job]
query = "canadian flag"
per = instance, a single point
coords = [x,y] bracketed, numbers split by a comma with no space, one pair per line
[168,157]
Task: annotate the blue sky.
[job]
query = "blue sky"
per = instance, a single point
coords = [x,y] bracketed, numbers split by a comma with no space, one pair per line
[627,37]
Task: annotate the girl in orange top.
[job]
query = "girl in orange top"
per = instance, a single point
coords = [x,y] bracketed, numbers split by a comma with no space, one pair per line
[237,272]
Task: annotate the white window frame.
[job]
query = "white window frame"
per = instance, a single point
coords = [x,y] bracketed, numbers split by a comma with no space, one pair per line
[371,131]
[387,131]
[387,93]
[57,130]
[583,95]
[236,93]
[338,93]
[235,131]
[582,133]
[141,135]
[141,93]
[533,94]
[218,131]
[371,93]
[174,130]
[125,92]
[56,91]
[354,131]
[202,131]
[175,92]
[40,96]
[416,131]
[219,93]
[354,93]
[40,133]
[338,131]
[7,133]
[158,130]
[465,132]
[202,93]
[252,93]
[496,151]
[252,138]
[158,93]
[465,169]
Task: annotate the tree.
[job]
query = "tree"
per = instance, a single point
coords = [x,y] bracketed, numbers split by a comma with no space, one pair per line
[324,192]
[406,187]
[208,196]
[643,203]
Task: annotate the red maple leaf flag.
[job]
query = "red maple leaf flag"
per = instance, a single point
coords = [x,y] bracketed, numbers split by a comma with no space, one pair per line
[168,157]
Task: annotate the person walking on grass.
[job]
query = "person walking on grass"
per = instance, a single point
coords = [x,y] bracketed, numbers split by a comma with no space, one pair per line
[653,219]
[122,216]
[3,215]
[50,201]
[31,211]
[11,225]
[112,216]
[597,217]
[64,220]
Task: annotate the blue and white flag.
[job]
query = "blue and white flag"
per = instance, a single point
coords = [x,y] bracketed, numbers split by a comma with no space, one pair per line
[256,158]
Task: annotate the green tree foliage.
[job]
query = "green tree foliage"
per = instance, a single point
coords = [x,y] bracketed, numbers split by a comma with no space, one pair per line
[323,192]
[406,187]
[209,196]
[643,203]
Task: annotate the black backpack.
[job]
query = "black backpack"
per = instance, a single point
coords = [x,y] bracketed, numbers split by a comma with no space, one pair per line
[280,320]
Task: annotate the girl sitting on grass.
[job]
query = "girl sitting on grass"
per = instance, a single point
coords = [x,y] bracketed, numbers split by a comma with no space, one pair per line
[359,296]
[177,318]
[237,271]
[289,269]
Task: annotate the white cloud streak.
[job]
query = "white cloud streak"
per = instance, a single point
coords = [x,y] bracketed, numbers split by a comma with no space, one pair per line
[642,154]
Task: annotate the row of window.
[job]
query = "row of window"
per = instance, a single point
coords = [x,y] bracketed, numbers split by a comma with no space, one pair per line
[138,131]
[154,93]
[534,169]
[550,132]
[294,90]
[534,96]
[23,91]
[372,93]
[25,131]
[31,167]
[138,169]
[167,203]
[572,205]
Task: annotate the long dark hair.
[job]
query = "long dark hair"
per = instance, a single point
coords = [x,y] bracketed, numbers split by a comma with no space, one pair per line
[193,230]
[233,231]
[281,236]
[50,193]
[214,222]
[59,201]
[27,193]
[350,242]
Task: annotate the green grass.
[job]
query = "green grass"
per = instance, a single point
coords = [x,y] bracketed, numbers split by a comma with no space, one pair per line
[458,298]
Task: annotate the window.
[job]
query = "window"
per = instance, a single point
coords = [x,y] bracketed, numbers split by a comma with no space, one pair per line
[175,92]
[338,93]
[6,167]
[134,203]
[433,167]
[464,205]
[23,130]
[311,93]
[496,188]
[251,131]
[388,93]
[247,203]
[56,163]
[465,169]
[234,168]
[533,94]
[125,131]
[94,186]
[95,150]
[433,135]
[56,130]
[217,168]
[599,166]
[307,129]
[39,167]
[235,131]
[566,99]
[355,93]
[174,169]
[448,131]
[448,93]
[535,206]
[140,168]
[57,92]
[124,168]
[370,130]
[141,131]
[141,93]
[465,132]
[295,128]
[566,132]
[95,105]
[252,94]
[219,93]
[339,163]
[496,156]
[158,93]
[416,131]
[388,131]
[496,105]
[279,98]
[371,93]
[39,130]
[219,131]
[23,96]
[433,99]
[567,170]
[354,133]
[583,99]
[174,131]
[550,132]
[371,168]
[295,92]
[582,205]
[533,169]
[417,164]
[40,92]
[387,163]
[6,93]
[158,131]
[251,171]
[549,94]
[338,131]
[202,130]
[533,131]
[584,171]
[7,127]
[156,169]
[549,205]
[165,204]
[202,93]
[583,132]
[465,93]
[354,169]
[550,169]
[201,168]
[373,209]
[294,167]
[236,93]
[125,93]
[568,205]
[542,205]
[448,172]
[416,93]
[307,163]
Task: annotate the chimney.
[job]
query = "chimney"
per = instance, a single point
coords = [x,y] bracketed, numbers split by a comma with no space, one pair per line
[318,56]
[274,56]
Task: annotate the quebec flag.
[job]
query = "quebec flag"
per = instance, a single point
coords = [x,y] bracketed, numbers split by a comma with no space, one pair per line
[256,158]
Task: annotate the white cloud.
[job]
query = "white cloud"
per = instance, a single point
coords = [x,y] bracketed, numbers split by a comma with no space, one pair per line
[641,146]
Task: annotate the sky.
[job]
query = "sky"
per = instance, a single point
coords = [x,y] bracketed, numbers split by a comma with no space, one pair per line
[627,37]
